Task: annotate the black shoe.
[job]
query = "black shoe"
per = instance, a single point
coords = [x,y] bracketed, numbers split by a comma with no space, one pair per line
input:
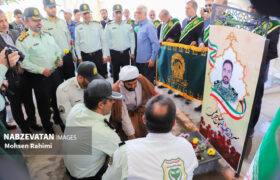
[10,127]
[198,109]
[188,101]
[170,92]
[26,131]
[36,127]
[49,131]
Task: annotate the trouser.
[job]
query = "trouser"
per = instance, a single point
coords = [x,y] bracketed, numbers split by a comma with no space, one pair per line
[55,81]
[119,58]
[149,73]
[259,95]
[42,89]
[68,69]
[16,108]
[3,115]
[97,58]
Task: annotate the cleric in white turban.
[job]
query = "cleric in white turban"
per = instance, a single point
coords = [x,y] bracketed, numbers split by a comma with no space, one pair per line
[128,113]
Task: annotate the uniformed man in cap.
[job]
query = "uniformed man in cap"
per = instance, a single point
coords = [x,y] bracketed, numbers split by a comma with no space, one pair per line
[98,101]
[90,43]
[58,29]
[71,92]
[137,90]
[42,58]
[121,41]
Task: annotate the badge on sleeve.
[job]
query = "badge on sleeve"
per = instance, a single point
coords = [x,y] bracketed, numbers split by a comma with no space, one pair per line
[61,109]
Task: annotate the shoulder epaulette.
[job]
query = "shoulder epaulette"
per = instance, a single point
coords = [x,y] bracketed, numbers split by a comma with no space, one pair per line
[23,36]
[108,23]
[95,21]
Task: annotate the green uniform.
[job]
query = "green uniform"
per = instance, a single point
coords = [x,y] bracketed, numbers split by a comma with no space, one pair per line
[90,38]
[229,94]
[3,70]
[41,51]
[104,141]
[60,32]
[120,36]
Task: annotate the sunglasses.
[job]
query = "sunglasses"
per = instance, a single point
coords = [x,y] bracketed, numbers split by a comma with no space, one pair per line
[208,5]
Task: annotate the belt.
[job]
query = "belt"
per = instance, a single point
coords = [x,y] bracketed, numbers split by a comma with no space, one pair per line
[92,53]
[121,52]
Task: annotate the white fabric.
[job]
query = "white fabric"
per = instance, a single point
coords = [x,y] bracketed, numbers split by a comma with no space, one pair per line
[128,73]
[68,94]
[130,103]
[147,157]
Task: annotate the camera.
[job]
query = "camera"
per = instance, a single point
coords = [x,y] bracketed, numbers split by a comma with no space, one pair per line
[206,10]
[12,49]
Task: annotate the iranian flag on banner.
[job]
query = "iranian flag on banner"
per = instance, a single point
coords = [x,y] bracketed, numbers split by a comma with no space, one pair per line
[267,158]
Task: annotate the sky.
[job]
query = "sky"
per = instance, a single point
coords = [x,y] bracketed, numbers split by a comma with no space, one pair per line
[175,7]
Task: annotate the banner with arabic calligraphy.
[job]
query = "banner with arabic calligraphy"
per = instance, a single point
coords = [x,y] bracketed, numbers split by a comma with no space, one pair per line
[232,71]
[181,68]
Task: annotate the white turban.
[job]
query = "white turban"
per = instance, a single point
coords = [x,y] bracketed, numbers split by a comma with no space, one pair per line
[128,73]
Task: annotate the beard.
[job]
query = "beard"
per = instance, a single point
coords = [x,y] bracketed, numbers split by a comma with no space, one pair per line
[130,89]
[225,80]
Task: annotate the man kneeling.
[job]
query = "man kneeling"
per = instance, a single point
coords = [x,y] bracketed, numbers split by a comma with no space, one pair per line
[160,155]
[137,90]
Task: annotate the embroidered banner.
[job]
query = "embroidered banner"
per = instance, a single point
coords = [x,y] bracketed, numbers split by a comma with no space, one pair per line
[181,68]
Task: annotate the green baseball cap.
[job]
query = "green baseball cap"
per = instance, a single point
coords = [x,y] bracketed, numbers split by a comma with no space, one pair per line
[100,88]
[84,8]
[49,3]
[88,70]
[32,13]
[117,8]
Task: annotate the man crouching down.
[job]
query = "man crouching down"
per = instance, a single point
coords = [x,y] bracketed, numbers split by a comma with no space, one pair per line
[137,90]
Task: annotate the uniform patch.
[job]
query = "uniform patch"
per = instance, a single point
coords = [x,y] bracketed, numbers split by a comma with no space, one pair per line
[95,71]
[23,36]
[174,169]
[61,109]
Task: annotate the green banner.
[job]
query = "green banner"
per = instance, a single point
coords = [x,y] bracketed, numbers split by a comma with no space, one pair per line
[181,68]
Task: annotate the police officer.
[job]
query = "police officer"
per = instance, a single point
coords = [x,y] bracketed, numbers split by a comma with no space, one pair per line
[42,57]
[59,30]
[98,101]
[90,43]
[121,41]
[71,92]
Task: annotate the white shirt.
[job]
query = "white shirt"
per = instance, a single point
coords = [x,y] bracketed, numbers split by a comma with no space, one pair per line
[155,157]
[68,94]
